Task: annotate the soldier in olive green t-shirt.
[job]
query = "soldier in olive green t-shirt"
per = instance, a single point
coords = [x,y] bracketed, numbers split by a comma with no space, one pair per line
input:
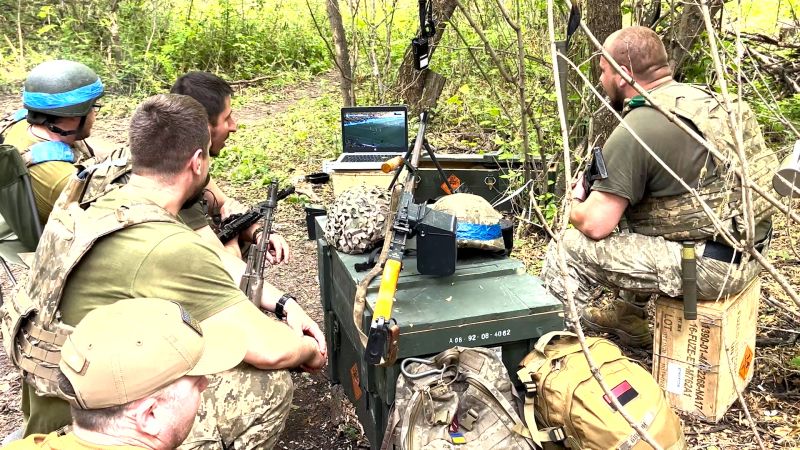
[629,230]
[49,178]
[125,265]
[153,254]
[60,97]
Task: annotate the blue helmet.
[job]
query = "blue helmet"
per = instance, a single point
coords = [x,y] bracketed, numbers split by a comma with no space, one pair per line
[61,88]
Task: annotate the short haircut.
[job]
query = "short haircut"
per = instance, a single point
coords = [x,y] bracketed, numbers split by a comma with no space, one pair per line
[91,419]
[641,50]
[208,89]
[165,132]
[103,419]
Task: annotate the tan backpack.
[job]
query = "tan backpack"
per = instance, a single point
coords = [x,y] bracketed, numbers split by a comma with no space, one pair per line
[562,394]
[462,398]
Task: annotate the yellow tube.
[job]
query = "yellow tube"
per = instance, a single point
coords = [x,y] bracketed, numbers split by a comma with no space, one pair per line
[383,305]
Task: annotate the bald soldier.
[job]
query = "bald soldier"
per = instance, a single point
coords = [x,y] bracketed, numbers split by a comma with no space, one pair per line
[642,255]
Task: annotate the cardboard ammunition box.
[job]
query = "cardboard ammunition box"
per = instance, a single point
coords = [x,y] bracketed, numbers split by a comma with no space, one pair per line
[346,179]
[488,302]
[477,174]
[702,363]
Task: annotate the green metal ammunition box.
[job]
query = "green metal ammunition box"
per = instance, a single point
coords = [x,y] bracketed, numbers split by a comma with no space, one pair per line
[481,175]
[488,302]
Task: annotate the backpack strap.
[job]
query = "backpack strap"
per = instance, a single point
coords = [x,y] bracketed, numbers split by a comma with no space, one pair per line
[388,436]
[12,120]
[48,151]
[519,427]
[539,436]
[541,344]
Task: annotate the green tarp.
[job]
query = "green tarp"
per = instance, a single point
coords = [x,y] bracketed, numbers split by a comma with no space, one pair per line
[17,206]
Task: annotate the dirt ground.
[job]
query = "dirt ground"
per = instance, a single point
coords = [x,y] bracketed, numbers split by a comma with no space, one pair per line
[322,418]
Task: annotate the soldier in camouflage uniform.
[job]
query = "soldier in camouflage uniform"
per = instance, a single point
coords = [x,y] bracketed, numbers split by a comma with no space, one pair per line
[60,99]
[130,243]
[644,256]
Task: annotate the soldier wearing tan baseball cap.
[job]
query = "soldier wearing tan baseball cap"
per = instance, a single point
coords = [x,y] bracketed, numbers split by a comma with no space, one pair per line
[133,372]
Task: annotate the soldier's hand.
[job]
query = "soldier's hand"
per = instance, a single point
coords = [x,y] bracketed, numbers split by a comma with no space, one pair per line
[278,249]
[316,363]
[231,206]
[232,247]
[298,320]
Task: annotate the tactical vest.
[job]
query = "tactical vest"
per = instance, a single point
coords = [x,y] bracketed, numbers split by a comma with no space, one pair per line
[681,217]
[31,324]
[104,176]
[39,152]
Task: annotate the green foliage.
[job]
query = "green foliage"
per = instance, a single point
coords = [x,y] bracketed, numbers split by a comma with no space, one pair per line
[549,205]
[143,46]
[305,134]
[795,361]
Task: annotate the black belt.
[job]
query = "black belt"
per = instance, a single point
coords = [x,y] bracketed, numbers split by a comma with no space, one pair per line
[724,253]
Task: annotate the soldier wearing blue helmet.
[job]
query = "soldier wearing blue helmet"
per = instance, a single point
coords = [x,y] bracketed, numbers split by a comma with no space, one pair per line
[60,98]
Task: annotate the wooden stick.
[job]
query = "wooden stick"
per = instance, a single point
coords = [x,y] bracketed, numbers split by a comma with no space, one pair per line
[747,199]
[739,395]
[572,317]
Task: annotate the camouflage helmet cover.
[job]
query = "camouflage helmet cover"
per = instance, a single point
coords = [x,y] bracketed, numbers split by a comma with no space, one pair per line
[357,219]
[62,88]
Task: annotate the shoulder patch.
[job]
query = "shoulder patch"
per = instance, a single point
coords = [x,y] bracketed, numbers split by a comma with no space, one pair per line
[51,151]
[19,115]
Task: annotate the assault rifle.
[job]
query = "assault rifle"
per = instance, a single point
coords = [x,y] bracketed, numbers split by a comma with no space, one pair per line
[436,250]
[252,283]
[236,223]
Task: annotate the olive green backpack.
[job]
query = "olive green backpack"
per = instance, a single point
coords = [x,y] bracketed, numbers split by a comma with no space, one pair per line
[562,395]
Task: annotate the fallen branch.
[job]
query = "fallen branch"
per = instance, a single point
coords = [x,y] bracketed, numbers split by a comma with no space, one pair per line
[242,83]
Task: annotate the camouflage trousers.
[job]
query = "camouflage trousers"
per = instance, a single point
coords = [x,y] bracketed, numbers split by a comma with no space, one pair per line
[242,408]
[638,265]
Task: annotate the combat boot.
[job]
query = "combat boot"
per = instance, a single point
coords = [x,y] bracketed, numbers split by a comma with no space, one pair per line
[622,319]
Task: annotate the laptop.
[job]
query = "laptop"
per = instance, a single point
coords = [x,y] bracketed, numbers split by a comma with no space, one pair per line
[372,135]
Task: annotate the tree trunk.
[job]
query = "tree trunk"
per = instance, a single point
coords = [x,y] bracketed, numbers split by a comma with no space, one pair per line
[113,29]
[603,17]
[21,54]
[342,54]
[411,82]
[683,35]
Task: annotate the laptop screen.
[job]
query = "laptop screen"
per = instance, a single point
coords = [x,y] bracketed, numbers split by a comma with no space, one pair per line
[375,129]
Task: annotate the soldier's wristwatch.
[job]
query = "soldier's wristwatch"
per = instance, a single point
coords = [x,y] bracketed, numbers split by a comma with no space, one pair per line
[280,306]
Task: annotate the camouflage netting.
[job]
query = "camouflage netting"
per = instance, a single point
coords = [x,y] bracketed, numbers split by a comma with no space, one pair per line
[357,218]
[478,222]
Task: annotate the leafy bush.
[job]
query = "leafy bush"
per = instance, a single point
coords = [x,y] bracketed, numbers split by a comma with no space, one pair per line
[144,46]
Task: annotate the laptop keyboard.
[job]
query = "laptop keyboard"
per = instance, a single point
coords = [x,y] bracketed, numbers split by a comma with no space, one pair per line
[364,157]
